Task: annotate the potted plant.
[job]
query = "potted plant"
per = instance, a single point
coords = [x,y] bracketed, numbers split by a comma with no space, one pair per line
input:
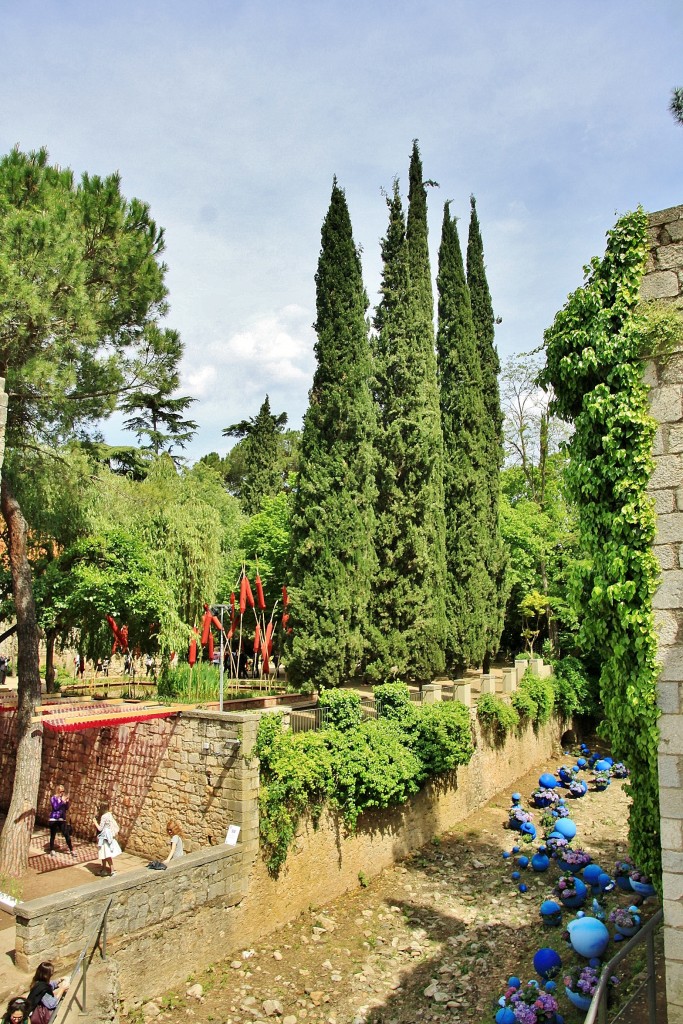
[620,771]
[602,779]
[641,883]
[573,860]
[581,983]
[517,817]
[526,1005]
[545,797]
[577,789]
[571,891]
[626,922]
[622,871]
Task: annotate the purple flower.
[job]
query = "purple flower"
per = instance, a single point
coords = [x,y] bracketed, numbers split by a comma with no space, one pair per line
[525,1014]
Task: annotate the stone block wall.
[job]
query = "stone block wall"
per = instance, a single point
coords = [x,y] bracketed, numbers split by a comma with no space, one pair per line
[664,281]
[185,768]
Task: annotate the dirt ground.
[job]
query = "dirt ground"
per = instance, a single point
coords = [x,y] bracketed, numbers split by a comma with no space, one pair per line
[432,939]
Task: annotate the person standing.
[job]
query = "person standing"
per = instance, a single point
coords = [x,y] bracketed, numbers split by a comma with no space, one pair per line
[59,806]
[107,831]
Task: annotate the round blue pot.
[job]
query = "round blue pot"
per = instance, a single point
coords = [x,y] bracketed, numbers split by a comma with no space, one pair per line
[628,933]
[578,899]
[579,1001]
[642,888]
[624,882]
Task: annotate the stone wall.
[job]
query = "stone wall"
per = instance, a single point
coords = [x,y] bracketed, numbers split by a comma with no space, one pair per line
[213,903]
[664,280]
[186,768]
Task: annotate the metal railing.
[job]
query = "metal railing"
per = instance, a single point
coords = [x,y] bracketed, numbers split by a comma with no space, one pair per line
[598,1007]
[310,720]
[80,971]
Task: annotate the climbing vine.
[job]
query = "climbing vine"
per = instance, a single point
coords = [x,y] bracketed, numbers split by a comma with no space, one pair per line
[595,350]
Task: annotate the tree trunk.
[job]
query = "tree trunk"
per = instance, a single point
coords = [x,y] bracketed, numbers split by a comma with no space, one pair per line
[16,834]
[50,674]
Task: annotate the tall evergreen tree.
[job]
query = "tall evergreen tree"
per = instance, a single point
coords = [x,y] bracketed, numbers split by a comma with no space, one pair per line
[408,603]
[463,417]
[332,557]
[482,314]
[260,450]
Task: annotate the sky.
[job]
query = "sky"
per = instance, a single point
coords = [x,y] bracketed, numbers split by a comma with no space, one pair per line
[230,118]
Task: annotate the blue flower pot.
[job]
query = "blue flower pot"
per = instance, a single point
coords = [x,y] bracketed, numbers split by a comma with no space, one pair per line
[578,899]
[624,883]
[643,888]
[628,933]
[579,1001]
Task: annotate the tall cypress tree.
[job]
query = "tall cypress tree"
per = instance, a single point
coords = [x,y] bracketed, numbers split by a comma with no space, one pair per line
[332,555]
[482,313]
[463,417]
[408,602]
[260,439]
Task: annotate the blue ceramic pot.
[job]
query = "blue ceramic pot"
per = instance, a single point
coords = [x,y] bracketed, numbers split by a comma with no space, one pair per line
[578,899]
[579,1001]
[624,882]
[628,932]
[643,888]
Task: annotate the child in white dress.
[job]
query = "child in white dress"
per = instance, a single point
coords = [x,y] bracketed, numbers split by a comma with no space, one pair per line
[107,831]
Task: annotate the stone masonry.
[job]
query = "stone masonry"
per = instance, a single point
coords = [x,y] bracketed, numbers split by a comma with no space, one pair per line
[664,281]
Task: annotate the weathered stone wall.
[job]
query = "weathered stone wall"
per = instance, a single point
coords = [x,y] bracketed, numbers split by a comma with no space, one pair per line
[664,280]
[180,921]
[185,768]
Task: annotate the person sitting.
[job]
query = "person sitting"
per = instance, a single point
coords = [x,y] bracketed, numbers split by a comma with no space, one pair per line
[44,994]
[174,831]
[16,1012]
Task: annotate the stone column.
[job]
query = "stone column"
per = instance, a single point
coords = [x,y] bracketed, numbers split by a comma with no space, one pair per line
[488,684]
[462,691]
[431,693]
[664,280]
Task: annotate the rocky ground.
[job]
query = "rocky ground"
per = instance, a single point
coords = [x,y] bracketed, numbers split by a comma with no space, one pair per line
[432,939]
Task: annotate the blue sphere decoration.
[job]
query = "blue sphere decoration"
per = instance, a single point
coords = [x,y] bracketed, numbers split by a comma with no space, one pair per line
[589,937]
[594,962]
[528,829]
[618,937]
[547,781]
[602,765]
[591,873]
[515,876]
[522,887]
[566,828]
[550,986]
[516,797]
[540,862]
[547,962]
[633,910]
[605,882]
[559,1019]
[609,761]
[515,849]
[514,982]
[505,854]
[523,861]
[551,913]
[581,762]
[505,1016]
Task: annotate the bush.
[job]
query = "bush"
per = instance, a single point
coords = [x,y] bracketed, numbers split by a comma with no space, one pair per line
[525,705]
[496,715]
[444,737]
[576,692]
[393,700]
[542,694]
[343,708]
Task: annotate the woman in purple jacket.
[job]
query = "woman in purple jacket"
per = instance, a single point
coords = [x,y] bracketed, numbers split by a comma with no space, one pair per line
[59,805]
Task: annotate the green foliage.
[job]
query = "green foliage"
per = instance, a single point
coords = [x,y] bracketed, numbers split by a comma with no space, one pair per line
[525,705]
[332,554]
[408,606]
[576,692]
[264,542]
[343,708]
[594,363]
[198,684]
[496,715]
[542,694]
[360,765]
[394,701]
[259,456]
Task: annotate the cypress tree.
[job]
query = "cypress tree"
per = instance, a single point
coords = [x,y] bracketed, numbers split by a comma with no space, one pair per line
[408,602]
[260,439]
[482,313]
[332,555]
[462,417]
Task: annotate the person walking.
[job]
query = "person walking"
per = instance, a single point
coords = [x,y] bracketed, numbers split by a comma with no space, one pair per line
[59,806]
[108,848]
[16,1012]
[44,994]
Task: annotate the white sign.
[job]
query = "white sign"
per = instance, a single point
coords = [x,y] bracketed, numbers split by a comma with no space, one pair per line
[233,835]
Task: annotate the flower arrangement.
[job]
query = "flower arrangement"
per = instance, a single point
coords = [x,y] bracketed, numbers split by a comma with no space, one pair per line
[561,811]
[517,816]
[529,1005]
[620,771]
[584,981]
[565,886]
[545,797]
[577,789]
[623,919]
[639,876]
[576,859]
[557,845]
[623,868]
[602,779]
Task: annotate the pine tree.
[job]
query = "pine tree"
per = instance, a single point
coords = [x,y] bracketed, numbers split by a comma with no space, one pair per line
[332,557]
[260,451]
[482,314]
[408,603]
[462,415]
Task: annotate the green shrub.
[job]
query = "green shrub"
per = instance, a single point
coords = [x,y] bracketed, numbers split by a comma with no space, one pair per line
[444,737]
[525,705]
[394,700]
[576,692]
[343,708]
[496,715]
[542,694]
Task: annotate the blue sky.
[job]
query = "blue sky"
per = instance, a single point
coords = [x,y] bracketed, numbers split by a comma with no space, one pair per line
[231,118]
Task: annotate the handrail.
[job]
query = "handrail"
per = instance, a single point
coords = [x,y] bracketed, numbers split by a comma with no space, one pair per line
[82,967]
[598,1006]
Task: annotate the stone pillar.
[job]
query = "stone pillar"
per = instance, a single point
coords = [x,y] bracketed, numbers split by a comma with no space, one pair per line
[509,680]
[488,684]
[462,691]
[431,693]
[521,665]
[664,280]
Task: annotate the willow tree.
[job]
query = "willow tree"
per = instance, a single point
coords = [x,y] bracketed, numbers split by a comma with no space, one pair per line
[81,286]
[408,606]
[332,558]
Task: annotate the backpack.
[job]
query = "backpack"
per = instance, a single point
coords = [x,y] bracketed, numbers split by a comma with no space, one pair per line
[41,1015]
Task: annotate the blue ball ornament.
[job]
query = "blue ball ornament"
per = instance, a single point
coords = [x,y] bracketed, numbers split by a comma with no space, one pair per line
[514,982]
[550,986]
[547,962]
[602,765]
[540,862]
[505,854]
[609,761]
[588,937]
[605,882]
[505,1016]
[515,876]
[559,1019]
[547,781]
[516,798]
[522,887]
[515,849]
[591,873]
[594,962]
[566,827]
[523,861]
[581,762]
[618,937]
